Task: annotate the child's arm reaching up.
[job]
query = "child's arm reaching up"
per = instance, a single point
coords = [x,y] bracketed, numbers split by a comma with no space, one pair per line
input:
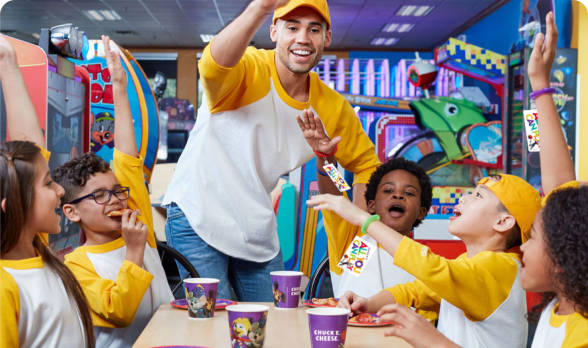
[124,135]
[21,116]
[556,163]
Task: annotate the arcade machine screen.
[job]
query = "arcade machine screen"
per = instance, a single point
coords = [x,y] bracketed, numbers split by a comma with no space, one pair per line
[514,144]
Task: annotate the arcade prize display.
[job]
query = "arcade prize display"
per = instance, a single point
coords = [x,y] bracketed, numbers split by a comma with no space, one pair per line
[518,160]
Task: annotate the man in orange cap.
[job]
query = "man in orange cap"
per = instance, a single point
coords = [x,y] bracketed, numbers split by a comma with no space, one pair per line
[247,136]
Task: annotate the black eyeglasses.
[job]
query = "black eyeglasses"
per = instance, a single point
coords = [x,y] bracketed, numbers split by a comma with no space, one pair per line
[103,196]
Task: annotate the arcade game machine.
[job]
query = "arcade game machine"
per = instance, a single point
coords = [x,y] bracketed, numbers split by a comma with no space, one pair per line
[518,159]
[141,100]
[59,91]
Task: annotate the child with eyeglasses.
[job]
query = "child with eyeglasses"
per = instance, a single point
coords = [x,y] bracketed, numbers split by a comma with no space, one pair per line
[118,267]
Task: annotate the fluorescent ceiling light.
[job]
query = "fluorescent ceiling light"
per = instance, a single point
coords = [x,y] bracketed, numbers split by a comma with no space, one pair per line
[390,28]
[100,15]
[206,37]
[412,10]
[93,15]
[384,41]
[405,28]
[110,15]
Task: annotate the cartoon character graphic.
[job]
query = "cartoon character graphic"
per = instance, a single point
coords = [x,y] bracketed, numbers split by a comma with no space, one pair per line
[240,332]
[197,301]
[344,261]
[278,295]
[102,131]
[209,305]
[256,335]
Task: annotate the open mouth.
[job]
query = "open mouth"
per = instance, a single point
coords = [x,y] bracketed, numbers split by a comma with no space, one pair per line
[456,213]
[396,210]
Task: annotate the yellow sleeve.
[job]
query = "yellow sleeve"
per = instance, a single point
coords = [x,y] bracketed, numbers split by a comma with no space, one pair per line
[231,88]
[340,233]
[476,285]
[129,173]
[356,152]
[569,184]
[113,303]
[9,310]
[416,294]
[576,332]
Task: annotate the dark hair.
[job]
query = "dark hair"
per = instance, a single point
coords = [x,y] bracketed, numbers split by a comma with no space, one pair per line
[514,238]
[565,227]
[75,173]
[412,168]
[17,178]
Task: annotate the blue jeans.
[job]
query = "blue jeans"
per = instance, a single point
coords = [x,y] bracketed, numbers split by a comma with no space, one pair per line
[251,281]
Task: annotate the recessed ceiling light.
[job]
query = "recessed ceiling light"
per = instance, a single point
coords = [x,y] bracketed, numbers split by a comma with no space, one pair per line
[100,15]
[405,28]
[390,28]
[384,41]
[206,37]
[412,10]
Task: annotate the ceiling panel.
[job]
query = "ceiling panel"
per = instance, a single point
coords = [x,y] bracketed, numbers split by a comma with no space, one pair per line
[169,23]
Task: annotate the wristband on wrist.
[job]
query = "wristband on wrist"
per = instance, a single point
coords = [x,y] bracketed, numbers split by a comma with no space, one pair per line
[324,155]
[320,172]
[542,91]
[367,222]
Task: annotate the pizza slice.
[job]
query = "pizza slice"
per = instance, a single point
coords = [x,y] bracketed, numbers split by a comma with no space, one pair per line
[118,213]
[363,318]
[331,301]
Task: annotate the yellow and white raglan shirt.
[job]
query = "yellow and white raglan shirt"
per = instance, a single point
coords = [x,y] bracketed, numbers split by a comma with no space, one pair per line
[36,310]
[123,296]
[565,331]
[480,299]
[246,136]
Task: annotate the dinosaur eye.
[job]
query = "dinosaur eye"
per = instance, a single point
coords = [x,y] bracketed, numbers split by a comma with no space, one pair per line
[451,109]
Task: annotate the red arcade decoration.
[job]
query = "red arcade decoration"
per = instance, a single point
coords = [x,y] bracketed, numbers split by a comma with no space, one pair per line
[422,74]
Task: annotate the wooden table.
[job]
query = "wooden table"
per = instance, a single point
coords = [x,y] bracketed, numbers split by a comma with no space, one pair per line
[285,328]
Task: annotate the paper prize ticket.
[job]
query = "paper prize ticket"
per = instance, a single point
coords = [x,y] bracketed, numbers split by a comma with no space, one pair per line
[532,130]
[336,177]
[357,256]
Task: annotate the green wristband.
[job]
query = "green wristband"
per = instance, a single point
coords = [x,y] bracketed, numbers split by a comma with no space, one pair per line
[367,222]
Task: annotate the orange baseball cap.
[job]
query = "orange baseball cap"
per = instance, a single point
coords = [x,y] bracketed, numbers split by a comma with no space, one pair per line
[320,6]
[520,199]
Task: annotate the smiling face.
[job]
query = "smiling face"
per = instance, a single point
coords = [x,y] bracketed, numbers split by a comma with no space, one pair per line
[91,215]
[300,37]
[398,201]
[45,211]
[536,275]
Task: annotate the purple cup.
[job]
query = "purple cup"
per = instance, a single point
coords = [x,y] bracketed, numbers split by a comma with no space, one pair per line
[286,288]
[201,297]
[247,323]
[328,327]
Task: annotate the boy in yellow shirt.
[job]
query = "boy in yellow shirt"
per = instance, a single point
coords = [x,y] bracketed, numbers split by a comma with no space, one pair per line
[118,267]
[478,295]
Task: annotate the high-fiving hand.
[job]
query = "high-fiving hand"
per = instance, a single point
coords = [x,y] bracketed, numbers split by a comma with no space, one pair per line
[314,133]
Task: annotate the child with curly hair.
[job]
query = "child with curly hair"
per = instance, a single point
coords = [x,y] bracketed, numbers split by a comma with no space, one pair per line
[556,254]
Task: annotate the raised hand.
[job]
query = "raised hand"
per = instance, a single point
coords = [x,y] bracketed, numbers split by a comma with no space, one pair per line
[413,328]
[118,74]
[541,60]
[341,206]
[7,53]
[314,133]
[271,5]
[135,235]
[355,303]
